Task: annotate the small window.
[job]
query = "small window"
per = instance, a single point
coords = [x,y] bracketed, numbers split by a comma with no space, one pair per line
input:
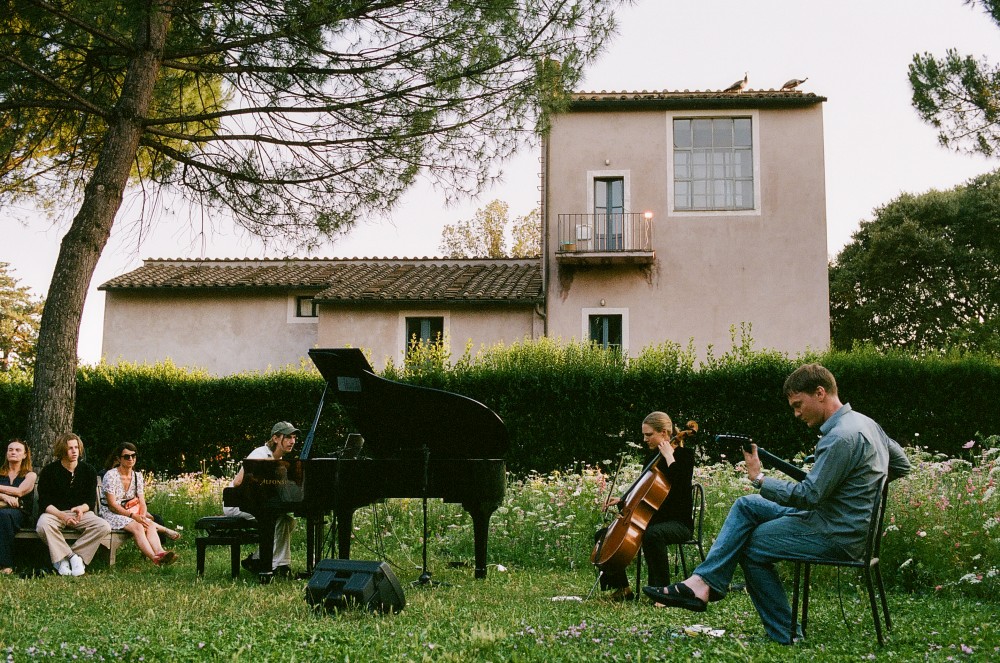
[606,331]
[305,307]
[428,330]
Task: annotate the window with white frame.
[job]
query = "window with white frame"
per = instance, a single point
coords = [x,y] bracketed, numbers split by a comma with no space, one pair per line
[305,307]
[607,327]
[301,309]
[608,199]
[713,165]
[609,212]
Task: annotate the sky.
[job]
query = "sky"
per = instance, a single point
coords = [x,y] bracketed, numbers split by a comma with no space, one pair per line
[854,52]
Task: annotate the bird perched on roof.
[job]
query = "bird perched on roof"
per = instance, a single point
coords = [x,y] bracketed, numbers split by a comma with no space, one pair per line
[738,86]
[794,83]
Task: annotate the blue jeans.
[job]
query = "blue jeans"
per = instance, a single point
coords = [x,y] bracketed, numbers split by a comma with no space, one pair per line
[756,534]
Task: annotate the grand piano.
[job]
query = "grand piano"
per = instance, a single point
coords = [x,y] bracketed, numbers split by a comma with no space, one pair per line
[417,442]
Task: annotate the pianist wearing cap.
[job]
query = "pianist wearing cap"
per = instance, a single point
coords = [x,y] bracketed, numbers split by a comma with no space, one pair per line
[282,440]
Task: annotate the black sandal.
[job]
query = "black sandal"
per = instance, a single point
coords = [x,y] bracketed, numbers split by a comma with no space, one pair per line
[677,595]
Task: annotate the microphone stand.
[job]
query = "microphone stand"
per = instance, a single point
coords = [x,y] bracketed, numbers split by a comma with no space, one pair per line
[425,577]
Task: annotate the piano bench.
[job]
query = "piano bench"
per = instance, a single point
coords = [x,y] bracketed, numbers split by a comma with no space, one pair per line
[225,531]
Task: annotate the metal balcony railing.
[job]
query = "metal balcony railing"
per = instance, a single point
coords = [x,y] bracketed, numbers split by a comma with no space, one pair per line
[605,233]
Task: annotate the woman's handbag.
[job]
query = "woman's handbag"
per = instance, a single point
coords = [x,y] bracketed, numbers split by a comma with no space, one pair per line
[131,506]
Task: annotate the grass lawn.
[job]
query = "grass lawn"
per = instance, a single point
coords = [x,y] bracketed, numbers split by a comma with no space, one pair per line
[136,612]
[940,556]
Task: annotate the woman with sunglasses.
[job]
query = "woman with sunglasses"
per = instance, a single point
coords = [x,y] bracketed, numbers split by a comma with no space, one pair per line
[123,504]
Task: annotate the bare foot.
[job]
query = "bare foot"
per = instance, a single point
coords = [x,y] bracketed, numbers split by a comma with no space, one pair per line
[699,587]
[173,535]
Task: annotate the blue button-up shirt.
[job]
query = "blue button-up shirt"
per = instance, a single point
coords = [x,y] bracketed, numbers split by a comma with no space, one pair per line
[839,493]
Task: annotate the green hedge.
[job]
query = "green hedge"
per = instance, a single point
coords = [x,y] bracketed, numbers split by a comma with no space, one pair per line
[563,404]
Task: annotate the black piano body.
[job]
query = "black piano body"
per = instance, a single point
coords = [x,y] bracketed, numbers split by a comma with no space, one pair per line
[418,442]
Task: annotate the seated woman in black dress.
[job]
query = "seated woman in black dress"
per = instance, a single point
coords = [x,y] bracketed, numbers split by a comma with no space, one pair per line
[672,523]
[17,485]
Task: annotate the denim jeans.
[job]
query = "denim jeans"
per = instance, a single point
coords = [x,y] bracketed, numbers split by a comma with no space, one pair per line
[757,533]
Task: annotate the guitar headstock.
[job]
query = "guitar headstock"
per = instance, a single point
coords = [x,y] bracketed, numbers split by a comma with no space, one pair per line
[743,441]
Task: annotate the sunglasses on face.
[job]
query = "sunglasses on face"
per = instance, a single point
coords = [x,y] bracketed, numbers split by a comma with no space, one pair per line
[128,456]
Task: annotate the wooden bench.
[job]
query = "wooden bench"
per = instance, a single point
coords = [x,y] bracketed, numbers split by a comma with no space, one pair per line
[112,541]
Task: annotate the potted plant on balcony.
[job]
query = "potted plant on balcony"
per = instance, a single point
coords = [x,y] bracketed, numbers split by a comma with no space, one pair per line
[566,247]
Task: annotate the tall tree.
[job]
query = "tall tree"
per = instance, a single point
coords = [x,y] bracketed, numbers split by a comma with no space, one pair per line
[20,315]
[526,233]
[923,274]
[486,234]
[296,117]
[959,95]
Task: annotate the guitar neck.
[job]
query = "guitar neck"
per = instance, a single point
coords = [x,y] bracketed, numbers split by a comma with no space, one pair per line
[780,464]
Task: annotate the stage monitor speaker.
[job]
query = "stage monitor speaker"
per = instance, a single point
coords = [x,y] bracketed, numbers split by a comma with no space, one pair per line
[337,584]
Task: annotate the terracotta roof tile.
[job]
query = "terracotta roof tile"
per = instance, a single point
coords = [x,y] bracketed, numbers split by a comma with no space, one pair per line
[350,280]
[480,281]
[697,99]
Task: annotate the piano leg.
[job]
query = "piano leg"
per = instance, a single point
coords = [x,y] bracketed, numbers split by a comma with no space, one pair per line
[314,540]
[345,526]
[265,525]
[481,513]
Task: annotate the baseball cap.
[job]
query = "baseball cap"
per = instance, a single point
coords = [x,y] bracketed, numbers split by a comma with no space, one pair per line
[283,428]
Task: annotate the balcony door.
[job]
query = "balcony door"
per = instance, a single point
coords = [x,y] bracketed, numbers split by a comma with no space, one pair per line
[609,213]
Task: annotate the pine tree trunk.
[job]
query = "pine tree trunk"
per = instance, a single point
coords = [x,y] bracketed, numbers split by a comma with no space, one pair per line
[54,392]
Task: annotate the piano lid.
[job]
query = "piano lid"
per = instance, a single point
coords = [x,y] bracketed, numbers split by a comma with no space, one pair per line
[397,419]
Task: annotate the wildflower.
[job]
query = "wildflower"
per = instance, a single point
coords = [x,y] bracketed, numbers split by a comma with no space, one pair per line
[921,533]
[906,563]
[966,649]
[969,445]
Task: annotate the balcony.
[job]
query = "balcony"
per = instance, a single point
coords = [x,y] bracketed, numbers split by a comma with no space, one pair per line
[605,239]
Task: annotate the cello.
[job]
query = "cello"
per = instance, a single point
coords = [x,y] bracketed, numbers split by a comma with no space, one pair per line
[643,499]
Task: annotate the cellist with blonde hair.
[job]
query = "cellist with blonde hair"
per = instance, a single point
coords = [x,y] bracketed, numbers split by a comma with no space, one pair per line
[672,522]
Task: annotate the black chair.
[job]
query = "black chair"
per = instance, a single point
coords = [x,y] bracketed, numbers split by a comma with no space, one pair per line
[698,516]
[868,564]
